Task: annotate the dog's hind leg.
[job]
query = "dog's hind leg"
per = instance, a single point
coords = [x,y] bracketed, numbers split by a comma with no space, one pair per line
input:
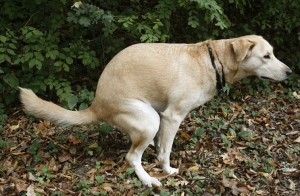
[141,122]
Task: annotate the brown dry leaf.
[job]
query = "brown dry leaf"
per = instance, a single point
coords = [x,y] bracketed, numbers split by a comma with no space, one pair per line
[92,171]
[20,185]
[41,126]
[14,127]
[268,176]
[297,140]
[123,168]
[184,136]
[175,182]
[91,174]
[41,191]
[53,166]
[159,175]
[236,187]
[235,153]
[107,162]
[94,146]
[31,177]
[227,159]
[262,192]
[74,140]
[273,163]
[63,158]
[292,185]
[107,187]
[30,191]
[194,168]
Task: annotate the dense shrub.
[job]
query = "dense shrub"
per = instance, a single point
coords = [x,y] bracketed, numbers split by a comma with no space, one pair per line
[58,48]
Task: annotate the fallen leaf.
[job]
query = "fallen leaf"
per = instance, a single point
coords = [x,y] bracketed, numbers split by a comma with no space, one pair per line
[63,158]
[14,127]
[107,187]
[108,162]
[288,170]
[292,185]
[273,163]
[74,140]
[226,159]
[235,153]
[159,175]
[236,187]
[41,191]
[262,192]
[296,95]
[194,168]
[30,191]
[20,184]
[184,135]
[31,177]
[52,165]
[266,175]
[297,140]
[94,146]
[175,182]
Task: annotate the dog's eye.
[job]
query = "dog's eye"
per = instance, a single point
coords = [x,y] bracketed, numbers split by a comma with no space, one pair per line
[267,56]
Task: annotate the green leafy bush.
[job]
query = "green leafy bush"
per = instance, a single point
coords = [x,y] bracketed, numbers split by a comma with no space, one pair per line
[55,47]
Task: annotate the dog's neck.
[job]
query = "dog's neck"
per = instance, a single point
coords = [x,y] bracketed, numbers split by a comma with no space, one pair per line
[217,65]
[230,64]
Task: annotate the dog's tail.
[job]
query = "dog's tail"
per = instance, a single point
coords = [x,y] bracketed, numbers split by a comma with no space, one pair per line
[47,110]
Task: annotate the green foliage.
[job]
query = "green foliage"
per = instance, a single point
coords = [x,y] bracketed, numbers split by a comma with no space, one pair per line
[83,185]
[33,149]
[44,176]
[58,56]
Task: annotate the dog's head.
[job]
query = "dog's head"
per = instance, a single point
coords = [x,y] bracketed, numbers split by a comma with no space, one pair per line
[254,56]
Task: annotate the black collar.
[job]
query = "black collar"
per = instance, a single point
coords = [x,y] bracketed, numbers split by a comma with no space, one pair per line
[219,76]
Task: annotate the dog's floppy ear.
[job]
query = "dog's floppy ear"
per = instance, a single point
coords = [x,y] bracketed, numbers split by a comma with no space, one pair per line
[241,48]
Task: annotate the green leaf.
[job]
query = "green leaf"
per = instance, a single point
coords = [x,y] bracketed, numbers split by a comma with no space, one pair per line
[2,58]
[66,67]
[83,106]
[199,132]
[129,171]
[245,134]
[250,144]
[193,23]
[31,63]
[7,58]
[38,64]
[69,60]
[3,39]
[58,64]
[105,128]
[11,80]
[52,54]
[226,141]
[12,46]
[84,21]
[72,101]
[99,179]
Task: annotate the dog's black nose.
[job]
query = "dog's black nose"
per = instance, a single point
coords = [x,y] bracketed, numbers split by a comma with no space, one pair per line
[288,72]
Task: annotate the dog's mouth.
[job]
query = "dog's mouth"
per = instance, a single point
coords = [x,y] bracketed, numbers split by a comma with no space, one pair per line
[267,78]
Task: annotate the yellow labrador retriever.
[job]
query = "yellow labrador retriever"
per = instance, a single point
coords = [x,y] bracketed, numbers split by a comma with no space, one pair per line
[146,90]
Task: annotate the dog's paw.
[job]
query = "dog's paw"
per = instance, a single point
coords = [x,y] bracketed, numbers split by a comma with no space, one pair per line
[171,170]
[151,181]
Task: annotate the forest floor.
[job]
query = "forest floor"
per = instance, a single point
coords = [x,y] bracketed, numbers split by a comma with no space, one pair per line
[247,143]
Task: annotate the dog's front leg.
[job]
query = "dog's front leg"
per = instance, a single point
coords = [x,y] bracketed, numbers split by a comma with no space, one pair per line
[169,124]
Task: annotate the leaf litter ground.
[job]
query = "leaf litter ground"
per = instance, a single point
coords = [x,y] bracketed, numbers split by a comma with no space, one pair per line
[249,145]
